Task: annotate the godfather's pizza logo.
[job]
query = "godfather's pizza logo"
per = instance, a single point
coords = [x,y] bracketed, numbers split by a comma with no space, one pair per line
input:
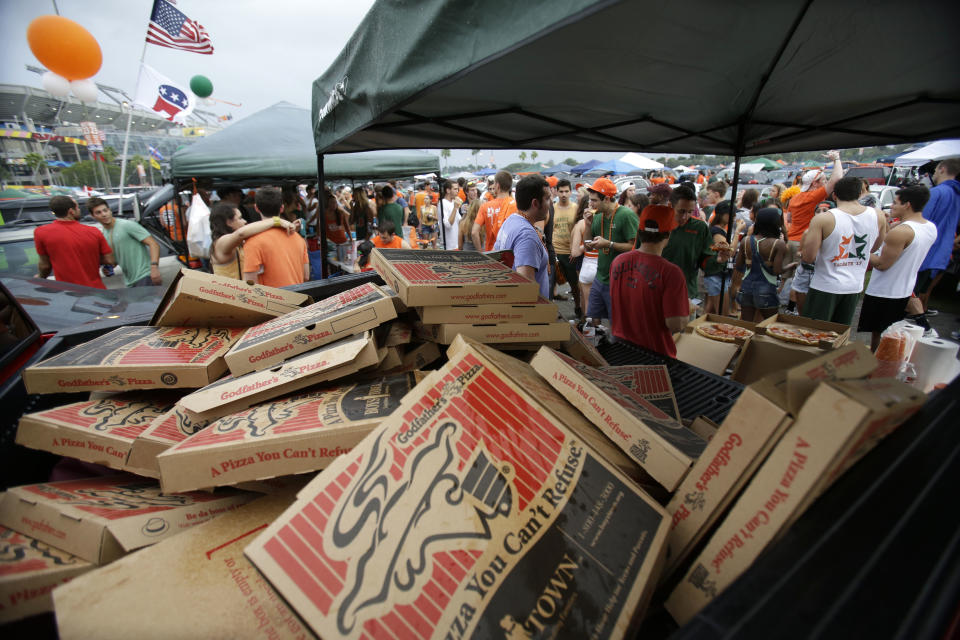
[388,529]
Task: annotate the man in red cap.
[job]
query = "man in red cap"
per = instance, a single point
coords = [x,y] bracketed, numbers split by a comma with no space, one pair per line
[613,233]
[649,293]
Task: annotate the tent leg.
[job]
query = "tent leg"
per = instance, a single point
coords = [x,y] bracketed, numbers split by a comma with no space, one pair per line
[733,212]
[322,218]
[443,230]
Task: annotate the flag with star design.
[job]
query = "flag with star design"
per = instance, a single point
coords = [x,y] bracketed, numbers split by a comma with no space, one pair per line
[157,93]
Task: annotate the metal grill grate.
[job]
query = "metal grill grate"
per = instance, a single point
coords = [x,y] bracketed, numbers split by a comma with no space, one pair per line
[698,392]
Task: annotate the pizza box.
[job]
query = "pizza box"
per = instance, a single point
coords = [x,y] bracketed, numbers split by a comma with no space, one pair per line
[175,425]
[712,318]
[578,348]
[418,356]
[329,362]
[662,446]
[763,355]
[198,299]
[497,333]
[704,427]
[399,333]
[710,355]
[98,431]
[840,422]
[136,358]
[197,585]
[808,323]
[489,516]
[539,311]
[100,519]
[29,571]
[345,314]
[296,434]
[424,278]
[652,382]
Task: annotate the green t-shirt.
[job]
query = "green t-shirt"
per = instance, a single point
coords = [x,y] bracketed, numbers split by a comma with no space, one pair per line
[687,248]
[126,240]
[623,228]
[394,213]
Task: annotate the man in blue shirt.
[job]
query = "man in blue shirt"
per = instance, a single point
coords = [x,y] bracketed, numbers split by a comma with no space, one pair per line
[518,234]
[943,210]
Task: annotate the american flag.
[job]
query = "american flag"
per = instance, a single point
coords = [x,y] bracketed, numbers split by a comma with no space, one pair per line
[171,28]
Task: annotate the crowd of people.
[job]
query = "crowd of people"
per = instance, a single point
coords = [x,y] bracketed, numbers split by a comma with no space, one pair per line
[644,263]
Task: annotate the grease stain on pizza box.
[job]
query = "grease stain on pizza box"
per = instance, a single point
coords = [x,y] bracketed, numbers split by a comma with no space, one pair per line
[539,311]
[198,299]
[662,446]
[489,517]
[136,358]
[351,312]
[842,331]
[100,519]
[710,355]
[297,434]
[424,278]
[196,585]
[99,431]
[29,571]
[329,362]
[175,425]
[652,382]
[838,424]
[496,333]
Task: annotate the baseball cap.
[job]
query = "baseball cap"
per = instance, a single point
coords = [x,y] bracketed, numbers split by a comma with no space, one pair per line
[552,181]
[434,197]
[658,218]
[808,179]
[627,185]
[605,187]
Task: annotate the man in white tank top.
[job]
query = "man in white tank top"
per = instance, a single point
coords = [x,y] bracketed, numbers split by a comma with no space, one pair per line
[895,267]
[839,243]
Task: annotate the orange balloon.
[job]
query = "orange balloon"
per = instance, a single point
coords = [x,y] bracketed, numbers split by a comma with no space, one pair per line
[64,47]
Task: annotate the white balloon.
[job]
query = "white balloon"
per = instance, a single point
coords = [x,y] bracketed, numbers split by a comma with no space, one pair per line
[85,90]
[55,84]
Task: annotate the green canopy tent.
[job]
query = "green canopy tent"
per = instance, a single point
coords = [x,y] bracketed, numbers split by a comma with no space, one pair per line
[766,162]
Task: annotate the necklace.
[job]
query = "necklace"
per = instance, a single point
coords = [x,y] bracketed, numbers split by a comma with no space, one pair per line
[606,250]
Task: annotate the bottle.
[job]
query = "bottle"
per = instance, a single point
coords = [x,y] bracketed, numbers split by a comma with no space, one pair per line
[590,332]
[107,270]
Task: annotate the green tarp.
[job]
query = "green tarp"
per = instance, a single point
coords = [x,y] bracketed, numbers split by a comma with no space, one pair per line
[751,77]
[276,144]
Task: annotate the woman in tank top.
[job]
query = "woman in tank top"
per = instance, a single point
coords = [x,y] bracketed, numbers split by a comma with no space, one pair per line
[761,254]
[228,230]
[584,260]
[466,224]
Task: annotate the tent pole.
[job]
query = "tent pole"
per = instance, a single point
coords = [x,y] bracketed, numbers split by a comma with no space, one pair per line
[322,217]
[443,230]
[733,210]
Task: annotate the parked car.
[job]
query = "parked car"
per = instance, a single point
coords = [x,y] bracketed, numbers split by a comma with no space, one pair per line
[884,195]
[876,174]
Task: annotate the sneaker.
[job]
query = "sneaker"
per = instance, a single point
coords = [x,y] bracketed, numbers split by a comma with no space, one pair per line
[931,333]
[790,312]
[930,313]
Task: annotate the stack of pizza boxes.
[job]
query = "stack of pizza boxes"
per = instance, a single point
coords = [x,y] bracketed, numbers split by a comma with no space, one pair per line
[470,294]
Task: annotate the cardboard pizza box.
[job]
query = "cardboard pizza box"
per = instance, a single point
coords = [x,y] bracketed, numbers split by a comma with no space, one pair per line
[100,519]
[652,382]
[345,314]
[471,512]
[662,446]
[808,323]
[578,348]
[704,427]
[839,422]
[763,355]
[419,356]
[424,278]
[539,311]
[400,333]
[198,299]
[197,585]
[292,435]
[136,358]
[710,355]
[98,431]
[497,333]
[29,571]
[712,318]
[175,425]
[329,362]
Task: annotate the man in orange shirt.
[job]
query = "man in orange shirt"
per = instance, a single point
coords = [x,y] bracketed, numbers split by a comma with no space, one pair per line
[274,257]
[386,238]
[492,213]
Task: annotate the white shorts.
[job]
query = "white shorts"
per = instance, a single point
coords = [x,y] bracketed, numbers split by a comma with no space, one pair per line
[588,270]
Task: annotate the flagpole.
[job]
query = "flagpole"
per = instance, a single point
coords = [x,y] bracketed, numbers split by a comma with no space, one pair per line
[126,137]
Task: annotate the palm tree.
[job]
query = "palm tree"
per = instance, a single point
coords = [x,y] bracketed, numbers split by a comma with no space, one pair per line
[35,161]
[523,156]
[533,156]
[474,153]
[445,154]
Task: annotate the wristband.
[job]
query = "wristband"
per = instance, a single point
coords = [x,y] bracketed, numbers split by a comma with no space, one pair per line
[277,222]
[154,264]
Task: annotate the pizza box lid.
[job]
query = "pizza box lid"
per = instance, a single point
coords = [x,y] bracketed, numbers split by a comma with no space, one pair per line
[295,434]
[651,381]
[348,313]
[136,358]
[710,355]
[472,474]
[808,323]
[432,277]
[99,431]
[540,311]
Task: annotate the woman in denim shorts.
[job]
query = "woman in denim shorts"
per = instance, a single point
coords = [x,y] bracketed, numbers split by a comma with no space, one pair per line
[762,253]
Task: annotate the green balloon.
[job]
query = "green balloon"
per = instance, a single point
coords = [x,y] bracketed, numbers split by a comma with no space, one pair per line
[201,86]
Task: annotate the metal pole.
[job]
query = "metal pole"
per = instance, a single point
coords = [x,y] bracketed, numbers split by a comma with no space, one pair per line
[126,137]
[733,205]
[443,229]
[322,217]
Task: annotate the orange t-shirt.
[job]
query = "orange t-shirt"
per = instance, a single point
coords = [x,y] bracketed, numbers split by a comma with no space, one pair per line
[657,180]
[335,231]
[418,201]
[491,216]
[802,208]
[462,195]
[396,243]
[279,254]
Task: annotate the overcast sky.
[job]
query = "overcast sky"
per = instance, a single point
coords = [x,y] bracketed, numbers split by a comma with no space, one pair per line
[264,52]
